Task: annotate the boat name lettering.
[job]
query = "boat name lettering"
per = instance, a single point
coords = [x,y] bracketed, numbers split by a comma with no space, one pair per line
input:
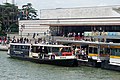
[62,57]
[18,52]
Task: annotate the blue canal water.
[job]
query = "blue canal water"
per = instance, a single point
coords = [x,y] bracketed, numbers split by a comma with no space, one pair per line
[13,69]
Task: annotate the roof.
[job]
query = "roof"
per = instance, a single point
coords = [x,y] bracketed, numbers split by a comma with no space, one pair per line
[88,42]
[22,44]
[49,45]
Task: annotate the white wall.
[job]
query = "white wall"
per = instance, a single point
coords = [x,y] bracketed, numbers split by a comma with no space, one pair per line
[31,27]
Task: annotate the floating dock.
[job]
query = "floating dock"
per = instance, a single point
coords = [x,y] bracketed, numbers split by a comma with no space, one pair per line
[4,47]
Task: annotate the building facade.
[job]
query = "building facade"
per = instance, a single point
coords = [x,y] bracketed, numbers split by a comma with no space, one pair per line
[61,21]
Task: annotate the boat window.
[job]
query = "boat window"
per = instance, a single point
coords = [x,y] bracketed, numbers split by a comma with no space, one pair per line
[16,47]
[101,52]
[12,46]
[49,49]
[104,51]
[113,51]
[22,47]
[93,50]
[42,49]
[19,47]
[107,51]
[35,49]
[55,49]
[90,49]
[117,52]
[46,50]
[25,47]
[66,49]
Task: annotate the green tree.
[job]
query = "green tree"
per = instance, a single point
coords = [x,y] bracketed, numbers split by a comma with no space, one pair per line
[27,12]
[9,12]
[13,28]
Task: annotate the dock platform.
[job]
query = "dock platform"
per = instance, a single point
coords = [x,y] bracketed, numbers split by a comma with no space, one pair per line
[4,47]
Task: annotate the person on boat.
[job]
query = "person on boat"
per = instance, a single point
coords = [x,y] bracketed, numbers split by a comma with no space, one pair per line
[73,52]
[77,49]
[21,40]
[14,40]
[25,40]
[84,55]
[18,40]
[42,52]
[60,52]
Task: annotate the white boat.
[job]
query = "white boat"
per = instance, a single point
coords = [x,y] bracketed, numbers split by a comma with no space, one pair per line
[43,53]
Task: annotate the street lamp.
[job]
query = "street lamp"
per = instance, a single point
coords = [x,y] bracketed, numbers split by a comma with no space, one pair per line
[49,35]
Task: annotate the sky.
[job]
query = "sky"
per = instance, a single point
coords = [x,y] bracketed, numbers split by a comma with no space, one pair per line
[51,4]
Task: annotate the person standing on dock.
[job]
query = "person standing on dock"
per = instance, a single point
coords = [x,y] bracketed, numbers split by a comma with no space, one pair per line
[34,35]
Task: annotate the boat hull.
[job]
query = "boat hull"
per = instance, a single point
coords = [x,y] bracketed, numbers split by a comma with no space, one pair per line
[58,62]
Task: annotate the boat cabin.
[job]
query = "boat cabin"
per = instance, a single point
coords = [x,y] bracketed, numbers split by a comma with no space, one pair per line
[19,50]
[47,51]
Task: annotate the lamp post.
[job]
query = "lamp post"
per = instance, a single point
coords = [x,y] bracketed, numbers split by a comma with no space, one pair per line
[49,35]
[100,34]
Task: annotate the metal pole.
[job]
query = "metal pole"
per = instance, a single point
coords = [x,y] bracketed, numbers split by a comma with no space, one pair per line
[21,34]
[21,31]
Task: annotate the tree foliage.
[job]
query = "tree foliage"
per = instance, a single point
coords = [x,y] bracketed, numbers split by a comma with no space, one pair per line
[13,28]
[27,12]
[8,11]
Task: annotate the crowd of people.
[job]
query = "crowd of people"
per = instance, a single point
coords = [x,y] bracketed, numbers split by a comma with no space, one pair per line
[25,40]
[77,36]
[3,40]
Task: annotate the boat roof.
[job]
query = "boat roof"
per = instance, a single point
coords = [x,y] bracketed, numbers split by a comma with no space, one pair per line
[25,44]
[47,45]
[88,42]
[50,45]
